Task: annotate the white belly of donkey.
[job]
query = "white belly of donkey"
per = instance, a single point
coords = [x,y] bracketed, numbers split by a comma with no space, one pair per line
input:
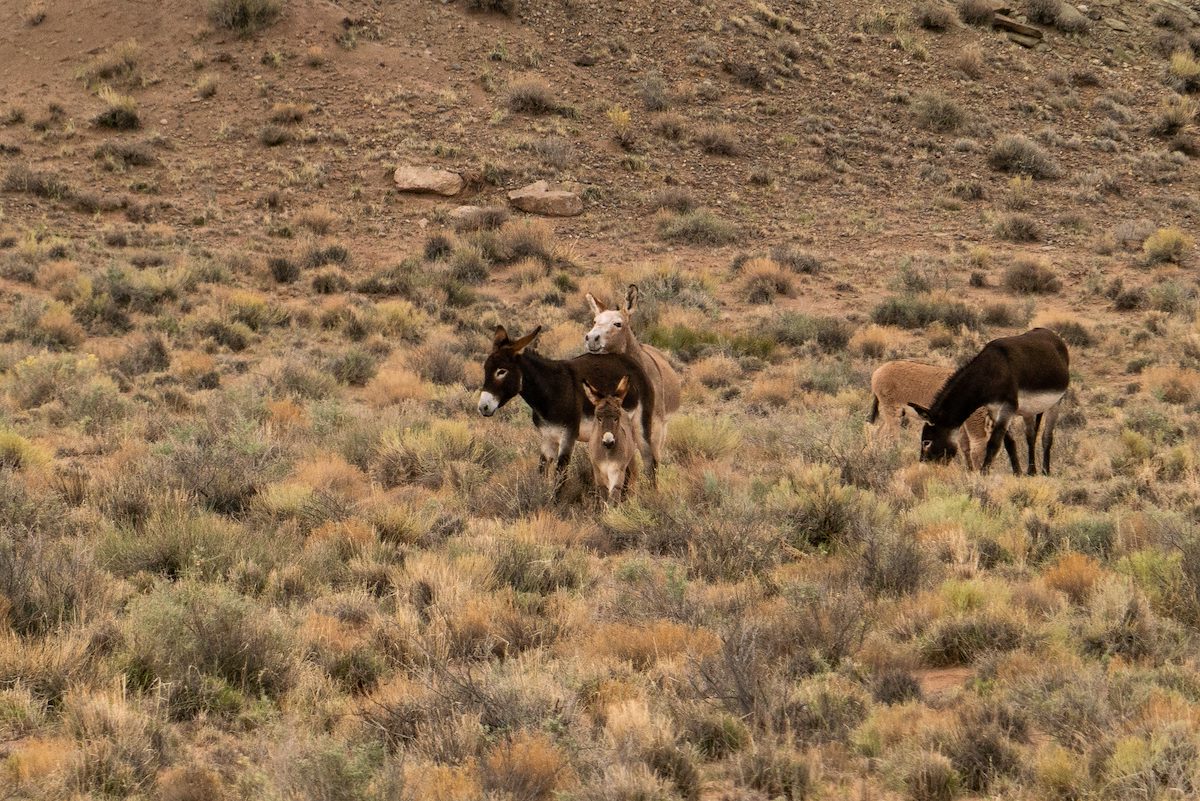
[1038,402]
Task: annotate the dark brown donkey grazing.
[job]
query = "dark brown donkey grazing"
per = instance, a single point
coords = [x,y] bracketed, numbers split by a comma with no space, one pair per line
[553,388]
[1026,375]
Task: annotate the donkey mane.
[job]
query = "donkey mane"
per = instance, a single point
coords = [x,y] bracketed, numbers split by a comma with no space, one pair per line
[951,383]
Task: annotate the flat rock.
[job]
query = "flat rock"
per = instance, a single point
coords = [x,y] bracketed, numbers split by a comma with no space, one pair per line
[1175,5]
[460,213]
[1023,40]
[428,179]
[540,197]
[1117,25]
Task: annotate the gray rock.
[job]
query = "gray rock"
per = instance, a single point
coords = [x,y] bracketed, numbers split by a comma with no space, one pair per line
[428,179]
[542,198]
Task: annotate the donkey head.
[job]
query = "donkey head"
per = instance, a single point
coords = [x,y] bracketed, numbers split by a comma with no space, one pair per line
[937,441]
[608,411]
[502,371]
[610,326]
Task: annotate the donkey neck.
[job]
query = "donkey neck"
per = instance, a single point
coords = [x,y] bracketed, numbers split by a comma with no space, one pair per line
[547,385]
[963,393]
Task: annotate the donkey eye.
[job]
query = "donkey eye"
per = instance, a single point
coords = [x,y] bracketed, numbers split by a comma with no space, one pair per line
[926,444]
[617,324]
[501,373]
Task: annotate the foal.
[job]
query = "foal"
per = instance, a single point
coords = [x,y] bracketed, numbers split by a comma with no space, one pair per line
[1026,375]
[613,445]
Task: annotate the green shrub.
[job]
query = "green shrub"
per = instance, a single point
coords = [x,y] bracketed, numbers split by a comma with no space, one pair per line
[180,628]
[918,311]
[1031,277]
[1021,155]
[244,16]
[699,227]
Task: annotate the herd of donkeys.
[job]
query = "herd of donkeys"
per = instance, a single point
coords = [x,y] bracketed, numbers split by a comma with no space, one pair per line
[616,397]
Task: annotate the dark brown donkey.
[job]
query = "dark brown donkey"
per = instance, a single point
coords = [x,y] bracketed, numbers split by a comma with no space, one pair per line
[553,388]
[1027,375]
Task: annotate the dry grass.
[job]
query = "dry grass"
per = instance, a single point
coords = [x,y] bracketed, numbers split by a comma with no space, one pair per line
[257,541]
[244,17]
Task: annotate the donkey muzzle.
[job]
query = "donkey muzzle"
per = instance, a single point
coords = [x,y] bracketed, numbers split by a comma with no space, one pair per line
[488,404]
[608,440]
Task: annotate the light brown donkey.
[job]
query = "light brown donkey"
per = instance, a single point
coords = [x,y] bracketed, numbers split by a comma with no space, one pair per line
[613,446]
[612,333]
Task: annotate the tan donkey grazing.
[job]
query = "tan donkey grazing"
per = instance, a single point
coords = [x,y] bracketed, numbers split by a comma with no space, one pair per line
[612,332]
[613,446]
[899,383]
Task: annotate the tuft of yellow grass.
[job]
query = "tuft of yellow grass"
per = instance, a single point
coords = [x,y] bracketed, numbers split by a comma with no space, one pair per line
[1073,574]
[1167,245]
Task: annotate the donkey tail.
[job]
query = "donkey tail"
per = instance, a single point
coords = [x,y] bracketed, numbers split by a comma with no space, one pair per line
[874,409]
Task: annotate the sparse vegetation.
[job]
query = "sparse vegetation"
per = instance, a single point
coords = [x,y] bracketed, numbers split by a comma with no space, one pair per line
[244,16]
[1027,276]
[1018,154]
[258,541]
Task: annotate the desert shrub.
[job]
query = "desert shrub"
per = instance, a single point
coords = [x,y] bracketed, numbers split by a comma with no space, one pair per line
[931,777]
[118,64]
[224,465]
[776,771]
[980,755]
[719,140]
[933,15]
[1028,276]
[527,766]
[355,367]
[121,749]
[763,280]
[1018,154]
[283,269]
[653,90]
[699,227]
[715,735]
[831,334]
[958,640]
[47,584]
[976,12]
[969,61]
[673,198]
[1073,332]
[272,135]
[78,391]
[918,311]
[178,628]
[507,7]
[1018,227]
[1073,574]
[698,438]
[147,354]
[896,686]
[1173,116]
[1183,72]
[532,96]
[797,261]
[119,156]
[244,16]
[1167,245]
[936,112]
[422,455]
[120,111]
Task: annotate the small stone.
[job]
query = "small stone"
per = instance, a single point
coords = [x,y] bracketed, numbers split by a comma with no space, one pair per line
[428,179]
[1117,25]
[1023,40]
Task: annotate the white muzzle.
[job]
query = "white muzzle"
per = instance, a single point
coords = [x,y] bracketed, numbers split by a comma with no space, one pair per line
[488,404]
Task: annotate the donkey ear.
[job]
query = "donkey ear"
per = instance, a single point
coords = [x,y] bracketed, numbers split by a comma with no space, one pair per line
[595,305]
[921,411]
[525,341]
[500,337]
[592,395]
[631,297]
[622,387]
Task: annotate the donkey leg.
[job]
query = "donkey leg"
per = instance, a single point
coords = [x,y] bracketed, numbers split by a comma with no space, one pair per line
[1010,447]
[1032,423]
[999,434]
[1048,439]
